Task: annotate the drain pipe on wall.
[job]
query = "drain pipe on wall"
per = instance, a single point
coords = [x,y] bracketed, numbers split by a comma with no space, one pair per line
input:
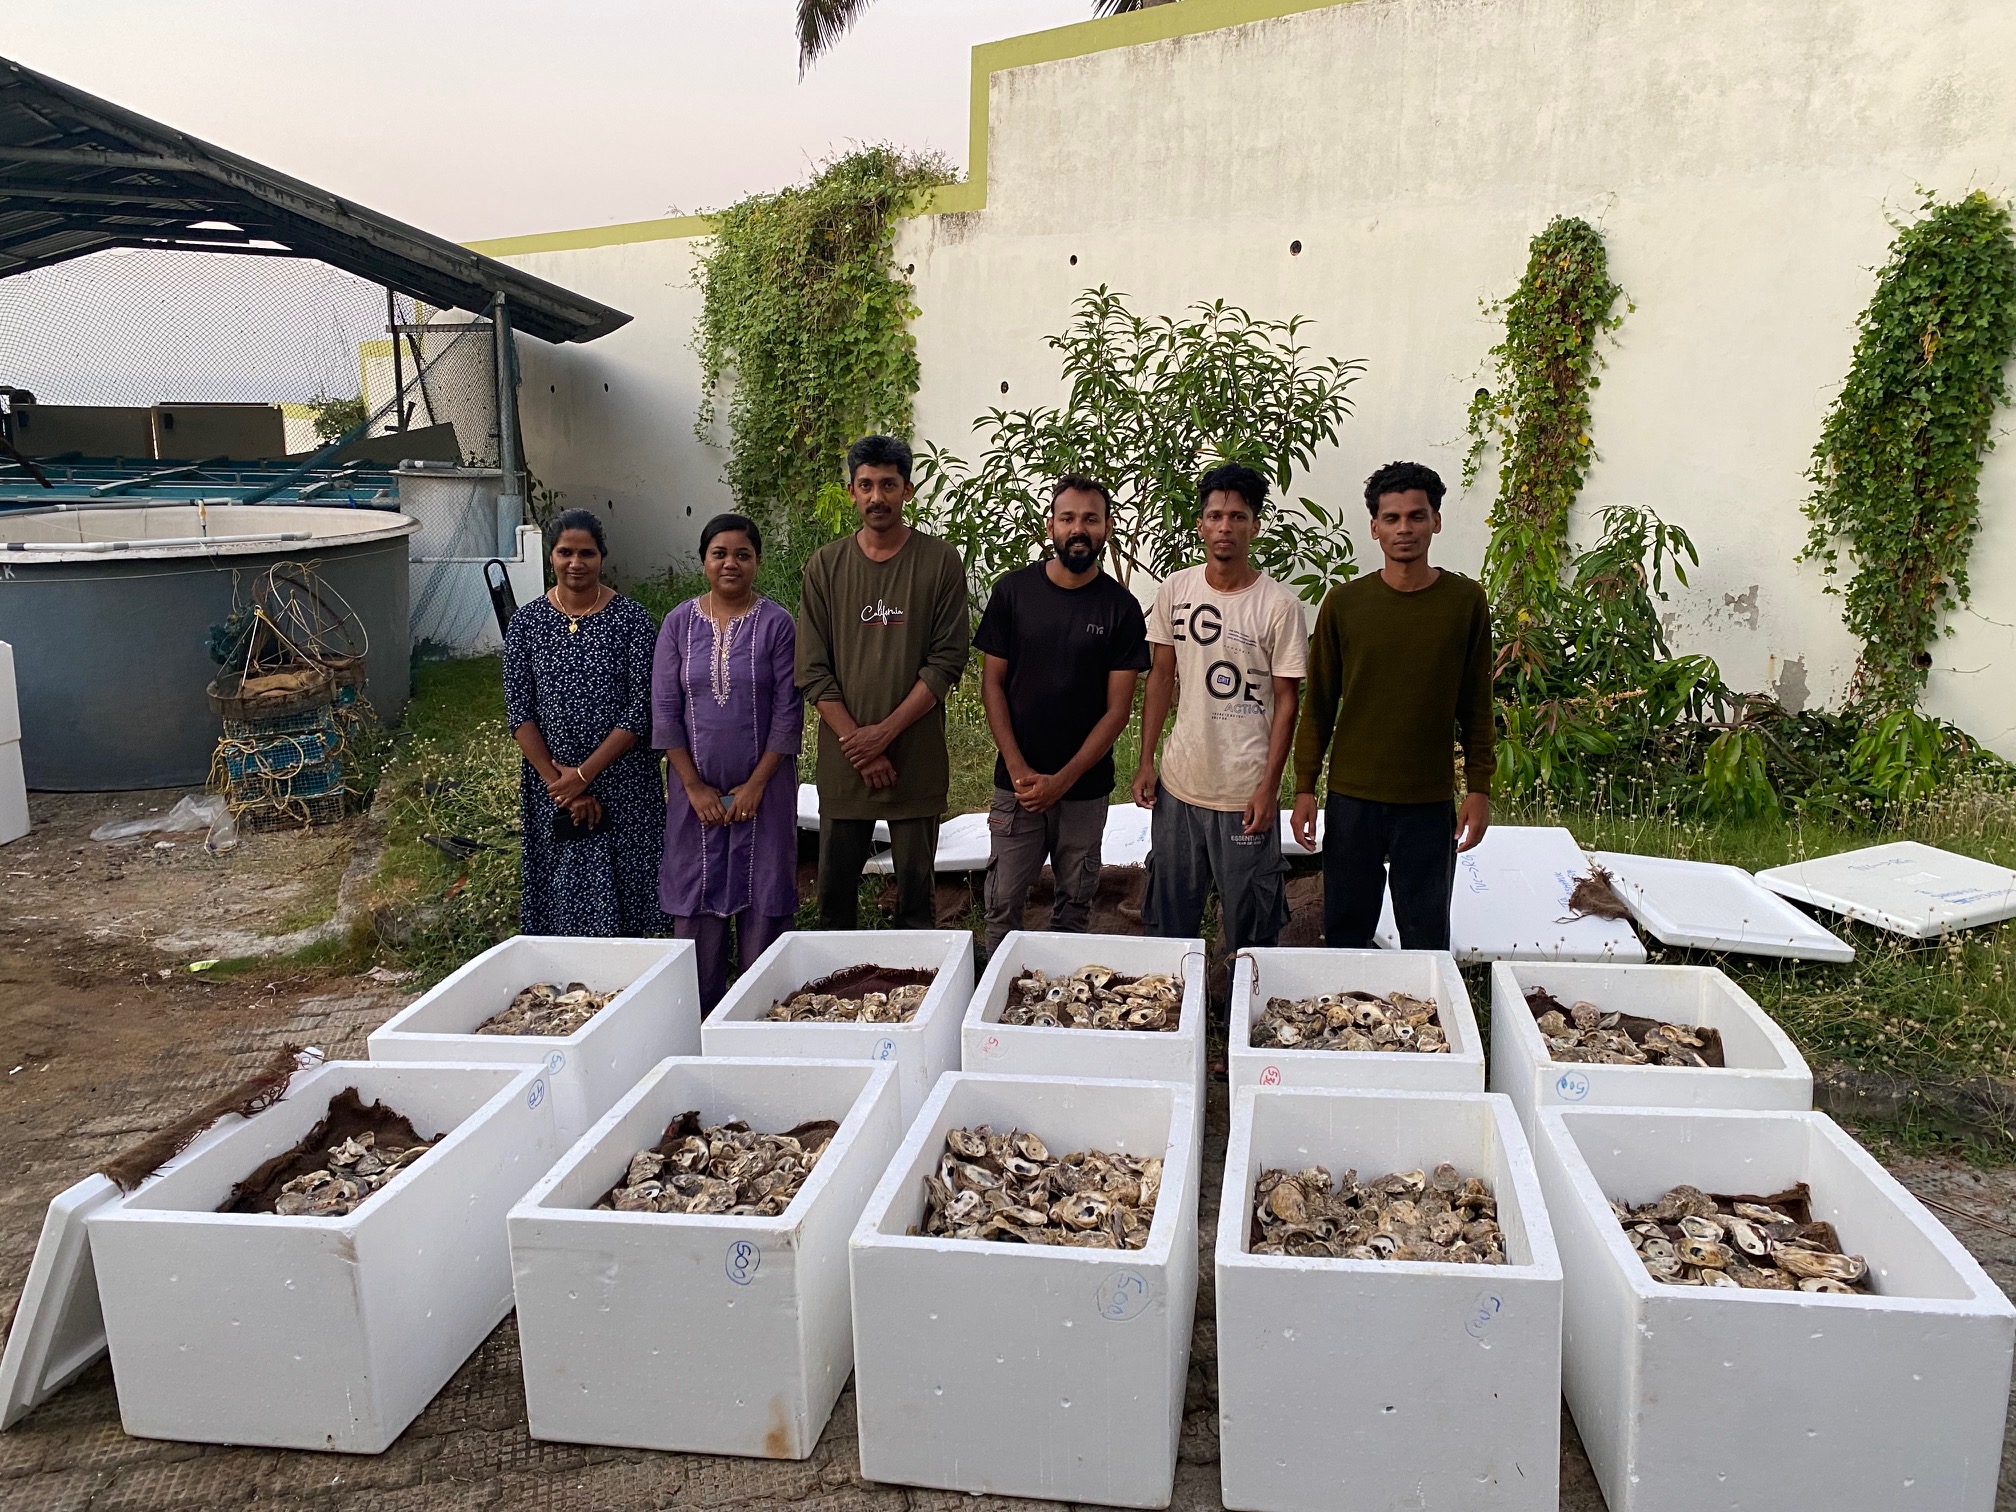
[511,498]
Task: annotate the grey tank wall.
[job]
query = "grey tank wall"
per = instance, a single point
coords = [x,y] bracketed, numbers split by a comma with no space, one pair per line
[112,657]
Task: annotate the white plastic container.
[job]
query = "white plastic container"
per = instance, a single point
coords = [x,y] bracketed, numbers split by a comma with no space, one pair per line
[655,1013]
[1263,974]
[1130,1054]
[921,1050]
[1762,1067]
[321,1333]
[707,1334]
[1029,1370]
[10,702]
[1693,1397]
[1382,1383]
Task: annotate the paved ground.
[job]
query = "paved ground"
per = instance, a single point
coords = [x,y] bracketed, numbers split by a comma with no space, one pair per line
[109,1048]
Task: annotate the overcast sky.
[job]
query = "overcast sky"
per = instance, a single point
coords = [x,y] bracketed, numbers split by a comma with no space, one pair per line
[480,118]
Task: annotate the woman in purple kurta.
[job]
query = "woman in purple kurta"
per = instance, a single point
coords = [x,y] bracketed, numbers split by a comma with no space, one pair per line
[728,717]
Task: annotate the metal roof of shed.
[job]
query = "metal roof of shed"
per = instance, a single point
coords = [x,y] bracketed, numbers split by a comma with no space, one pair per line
[79,174]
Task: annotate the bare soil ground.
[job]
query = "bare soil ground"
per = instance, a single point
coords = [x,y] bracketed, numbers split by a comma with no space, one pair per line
[105,1035]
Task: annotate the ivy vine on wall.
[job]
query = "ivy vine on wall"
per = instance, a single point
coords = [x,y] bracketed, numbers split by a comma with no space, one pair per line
[1896,474]
[804,326]
[1536,409]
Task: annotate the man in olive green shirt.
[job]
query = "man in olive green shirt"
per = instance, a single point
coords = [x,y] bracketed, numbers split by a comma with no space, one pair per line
[882,641]
[1399,669]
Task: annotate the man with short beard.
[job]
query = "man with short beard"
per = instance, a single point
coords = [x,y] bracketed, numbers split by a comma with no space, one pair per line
[1064,644]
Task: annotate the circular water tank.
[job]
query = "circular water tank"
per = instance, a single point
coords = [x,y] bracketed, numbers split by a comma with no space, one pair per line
[109,614]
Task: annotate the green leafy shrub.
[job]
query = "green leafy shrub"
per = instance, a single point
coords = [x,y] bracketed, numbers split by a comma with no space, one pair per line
[805,327]
[1896,474]
[1152,403]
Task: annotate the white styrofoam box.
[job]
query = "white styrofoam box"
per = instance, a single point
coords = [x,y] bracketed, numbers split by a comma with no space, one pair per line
[1692,1397]
[1132,1054]
[964,845]
[321,1333]
[1511,903]
[1761,1068]
[58,1328]
[1029,1370]
[1905,887]
[655,1013]
[1270,973]
[13,793]
[1384,1383]
[1707,906]
[10,704]
[922,1050]
[708,1334]
[808,813]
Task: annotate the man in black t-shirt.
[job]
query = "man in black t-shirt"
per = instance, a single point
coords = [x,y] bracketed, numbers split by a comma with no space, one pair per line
[1064,644]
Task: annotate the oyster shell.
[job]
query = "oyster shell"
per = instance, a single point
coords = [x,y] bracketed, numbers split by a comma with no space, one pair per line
[858,995]
[1586,1033]
[1406,1215]
[1688,1237]
[1094,997]
[1354,1020]
[723,1168]
[547,1011]
[1009,1189]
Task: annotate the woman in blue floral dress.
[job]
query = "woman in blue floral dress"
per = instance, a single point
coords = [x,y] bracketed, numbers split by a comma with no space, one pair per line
[577,692]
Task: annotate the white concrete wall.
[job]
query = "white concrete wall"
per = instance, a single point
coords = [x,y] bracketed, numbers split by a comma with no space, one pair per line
[1741,157]
[610,425]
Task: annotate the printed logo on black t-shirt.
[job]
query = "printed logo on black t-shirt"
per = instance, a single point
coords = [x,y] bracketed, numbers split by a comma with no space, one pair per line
[879,613]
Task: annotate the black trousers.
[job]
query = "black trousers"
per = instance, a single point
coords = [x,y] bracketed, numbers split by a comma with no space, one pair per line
[844,848]
[1361,840]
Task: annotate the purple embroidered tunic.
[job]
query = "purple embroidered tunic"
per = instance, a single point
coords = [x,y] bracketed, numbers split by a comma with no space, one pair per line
[727,696]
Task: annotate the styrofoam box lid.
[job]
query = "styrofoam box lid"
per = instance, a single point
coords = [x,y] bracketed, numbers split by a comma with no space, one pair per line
[1129,837]
[1276,971]
[808,812]
[482,987]
[1068,1113]
[1634,1155]
[1511,903]
[1704,905]
[1374,1131]
[58,1328]
[964,845]
[771,1095]
[1906,887]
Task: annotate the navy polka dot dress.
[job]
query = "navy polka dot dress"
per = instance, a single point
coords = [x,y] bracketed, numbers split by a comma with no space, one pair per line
[577,686]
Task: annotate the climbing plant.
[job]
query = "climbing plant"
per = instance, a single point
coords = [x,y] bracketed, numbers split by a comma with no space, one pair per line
[1536,409]
[1896,473]
[1153,402]
[804,326]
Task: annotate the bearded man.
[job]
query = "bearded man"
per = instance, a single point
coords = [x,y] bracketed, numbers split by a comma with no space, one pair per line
[1064,645]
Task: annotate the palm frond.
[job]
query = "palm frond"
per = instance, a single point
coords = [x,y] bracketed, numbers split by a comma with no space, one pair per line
[820,23]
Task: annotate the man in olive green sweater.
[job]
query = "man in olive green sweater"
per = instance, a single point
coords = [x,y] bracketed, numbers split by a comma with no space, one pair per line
[882,640]
[1399,669]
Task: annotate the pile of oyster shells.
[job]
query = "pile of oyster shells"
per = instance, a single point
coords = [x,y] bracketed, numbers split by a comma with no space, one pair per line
[1690,1238]
[1094,997]
[547,1011]
[1441,1215]
[1009,1188]
[838,998]
[1584,1032]
[1351,1021]
[354,1172]
[722,1168]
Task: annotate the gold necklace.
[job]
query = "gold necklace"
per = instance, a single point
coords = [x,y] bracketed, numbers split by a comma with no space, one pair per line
[573,619]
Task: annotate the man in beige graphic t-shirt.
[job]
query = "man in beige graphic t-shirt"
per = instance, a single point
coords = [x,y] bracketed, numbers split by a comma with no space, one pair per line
[1230,647]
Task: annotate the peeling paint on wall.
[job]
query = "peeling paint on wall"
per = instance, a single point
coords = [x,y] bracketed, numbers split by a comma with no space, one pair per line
[1788,684]
[1743,606]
